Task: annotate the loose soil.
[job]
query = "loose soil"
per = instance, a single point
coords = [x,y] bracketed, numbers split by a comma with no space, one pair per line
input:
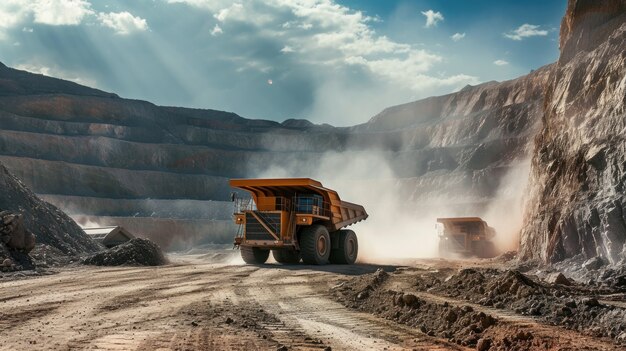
[491,309]
[193,303]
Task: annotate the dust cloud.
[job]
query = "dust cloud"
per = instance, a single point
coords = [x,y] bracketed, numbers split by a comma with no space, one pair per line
[505,211]
[85,222]
[401,225]
[392,230]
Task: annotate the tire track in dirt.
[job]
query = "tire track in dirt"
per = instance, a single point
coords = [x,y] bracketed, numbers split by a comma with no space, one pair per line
[305,309]
[141,303]
[170,329]
[13,319]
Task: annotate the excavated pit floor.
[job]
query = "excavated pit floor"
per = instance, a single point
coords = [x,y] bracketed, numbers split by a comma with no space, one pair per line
[208,302]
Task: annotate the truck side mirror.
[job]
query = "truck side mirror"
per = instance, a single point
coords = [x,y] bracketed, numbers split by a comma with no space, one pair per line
[233,196]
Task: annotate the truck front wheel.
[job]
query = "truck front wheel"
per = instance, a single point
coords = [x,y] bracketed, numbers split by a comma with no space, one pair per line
[286,256]
[254,255]
[347,248]
[314,244]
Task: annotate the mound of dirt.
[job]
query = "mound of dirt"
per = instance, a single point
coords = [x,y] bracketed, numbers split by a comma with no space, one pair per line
[447,304]
[49,225]
[460,324]
[135,252]
[46,256]
[568,305]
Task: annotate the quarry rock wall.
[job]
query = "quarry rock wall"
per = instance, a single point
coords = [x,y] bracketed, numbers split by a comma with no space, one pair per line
[577,203]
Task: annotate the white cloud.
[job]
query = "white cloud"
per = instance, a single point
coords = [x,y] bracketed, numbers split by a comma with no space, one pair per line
[13,12]
[432,18]
[292,24]
[500,63]
[56,73]
[457,36]
[234,11]
[46,71]
[123,22]
[217,30]
[525,31]
[334,36]
[49,12]
[412,70]
[305,26]
[60,12]
[63,13]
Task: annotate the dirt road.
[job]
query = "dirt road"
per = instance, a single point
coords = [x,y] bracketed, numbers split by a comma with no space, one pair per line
[197,304]
[194,305]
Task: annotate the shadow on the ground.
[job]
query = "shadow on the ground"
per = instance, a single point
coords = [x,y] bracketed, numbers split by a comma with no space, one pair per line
[347,269]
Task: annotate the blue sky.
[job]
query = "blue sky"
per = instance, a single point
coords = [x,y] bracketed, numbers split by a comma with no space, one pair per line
[337,62]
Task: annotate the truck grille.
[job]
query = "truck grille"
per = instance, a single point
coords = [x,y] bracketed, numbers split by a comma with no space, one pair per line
[459,242]
[256,231]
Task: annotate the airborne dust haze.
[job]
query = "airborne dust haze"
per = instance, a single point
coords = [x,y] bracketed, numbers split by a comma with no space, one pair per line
[400,224]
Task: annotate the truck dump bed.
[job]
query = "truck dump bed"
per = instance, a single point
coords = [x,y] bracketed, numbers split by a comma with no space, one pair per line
[337,213]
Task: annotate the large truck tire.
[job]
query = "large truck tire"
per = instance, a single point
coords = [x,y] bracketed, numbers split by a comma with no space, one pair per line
[314,244]
[286,256]
[477,248]
[489,250]
[347,248]
[254,255]
[485,249]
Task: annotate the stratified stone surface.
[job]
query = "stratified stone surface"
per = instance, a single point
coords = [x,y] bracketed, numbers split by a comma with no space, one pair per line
[578,200]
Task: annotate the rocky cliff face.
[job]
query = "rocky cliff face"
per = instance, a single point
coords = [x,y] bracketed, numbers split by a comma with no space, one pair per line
[578,200]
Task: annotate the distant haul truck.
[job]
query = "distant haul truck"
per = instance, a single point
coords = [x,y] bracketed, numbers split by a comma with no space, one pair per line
[295,218]
[468,236]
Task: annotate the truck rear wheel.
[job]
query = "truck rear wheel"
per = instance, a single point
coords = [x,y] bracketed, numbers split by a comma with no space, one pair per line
[347,248]
[485,249]
[489,250]
[314,244]
[254,255]
[287,256]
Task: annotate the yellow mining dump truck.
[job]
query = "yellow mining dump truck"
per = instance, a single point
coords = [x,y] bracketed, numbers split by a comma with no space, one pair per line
[469,236]
[295,218]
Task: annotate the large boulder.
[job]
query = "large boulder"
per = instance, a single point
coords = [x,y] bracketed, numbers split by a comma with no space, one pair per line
[14,234]
[15,243]
[29,214]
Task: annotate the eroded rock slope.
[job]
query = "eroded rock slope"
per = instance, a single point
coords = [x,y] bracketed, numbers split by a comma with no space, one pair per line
[578,199]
